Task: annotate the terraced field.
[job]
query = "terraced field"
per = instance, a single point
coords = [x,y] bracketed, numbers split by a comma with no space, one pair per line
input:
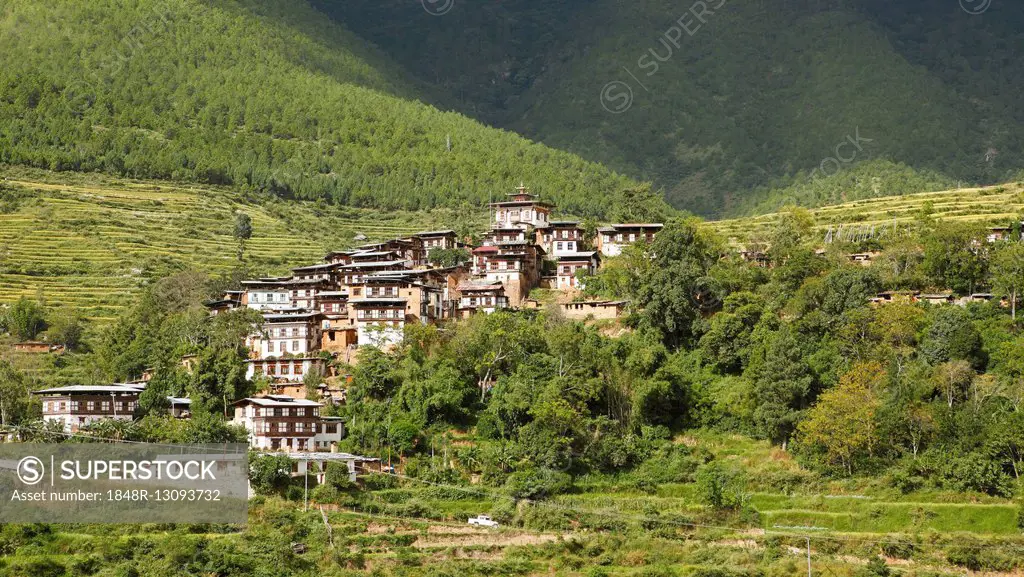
[91,242]
[990,205]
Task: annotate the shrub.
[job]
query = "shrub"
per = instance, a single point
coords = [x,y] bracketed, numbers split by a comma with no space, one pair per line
[719,487]
[538,483]
[875,567]
[325,494]
[379,481]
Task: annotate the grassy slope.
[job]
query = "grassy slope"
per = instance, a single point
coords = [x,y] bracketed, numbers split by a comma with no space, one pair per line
[267,95]
[91,241]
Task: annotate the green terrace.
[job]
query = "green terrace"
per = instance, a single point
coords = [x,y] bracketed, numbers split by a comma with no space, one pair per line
[91,242]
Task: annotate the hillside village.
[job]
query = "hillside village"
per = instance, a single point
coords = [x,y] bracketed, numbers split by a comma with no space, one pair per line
[366,296]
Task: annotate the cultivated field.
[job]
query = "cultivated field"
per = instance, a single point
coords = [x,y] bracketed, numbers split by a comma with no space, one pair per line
[90,242]
[989,205]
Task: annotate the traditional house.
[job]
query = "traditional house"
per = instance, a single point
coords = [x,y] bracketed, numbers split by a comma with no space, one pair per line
[380,321]
[561,237]
[480,296]
[937,298]
[570,264]
[180,407]
[862,258]
[330,432]
[612,239]
[294,333]
[229,301]
[757,258]
[277,422]
[79,405]
[422,289]
[517,266]
[315,272]
[267,294]
[598,310]
[286,368]
[338,331]
[889,297]
[37,347]
[521,210]
[315,465]
[440,239]
[353,274]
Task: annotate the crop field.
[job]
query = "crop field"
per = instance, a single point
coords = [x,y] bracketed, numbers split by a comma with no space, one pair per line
[91,242]
[985,206]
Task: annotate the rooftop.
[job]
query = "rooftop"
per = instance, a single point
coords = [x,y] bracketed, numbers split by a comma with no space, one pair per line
[381,263]
[277,401]
[612,227]
[90,389]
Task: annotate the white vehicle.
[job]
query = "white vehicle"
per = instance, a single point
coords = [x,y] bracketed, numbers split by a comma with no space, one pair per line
[483,521]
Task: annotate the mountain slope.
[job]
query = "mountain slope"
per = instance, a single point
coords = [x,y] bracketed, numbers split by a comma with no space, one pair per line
[263,95]
[750,103]
[755,93]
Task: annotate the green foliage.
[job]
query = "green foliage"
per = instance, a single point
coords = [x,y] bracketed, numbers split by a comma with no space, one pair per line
[951,336]
[25,319]
[269,473]
[721,487]
[537,483]
[954,257]
[448,257]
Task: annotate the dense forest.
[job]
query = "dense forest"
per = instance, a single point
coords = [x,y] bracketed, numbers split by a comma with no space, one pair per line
[349,101]
[259,95]
[754,96]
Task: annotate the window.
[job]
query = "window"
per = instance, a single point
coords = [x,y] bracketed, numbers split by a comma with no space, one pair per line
[300,427]
[558,246]
[282,346]
[286,369]
[300,412]
[285,412]
[266,427]
[105,406]
[298,368]
[295,346]
[90,406]
[74,406]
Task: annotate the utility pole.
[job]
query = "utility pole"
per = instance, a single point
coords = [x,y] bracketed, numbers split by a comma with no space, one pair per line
[808,556]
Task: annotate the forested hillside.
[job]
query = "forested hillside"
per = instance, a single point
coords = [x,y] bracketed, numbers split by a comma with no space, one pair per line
[750,102]
[260,95]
